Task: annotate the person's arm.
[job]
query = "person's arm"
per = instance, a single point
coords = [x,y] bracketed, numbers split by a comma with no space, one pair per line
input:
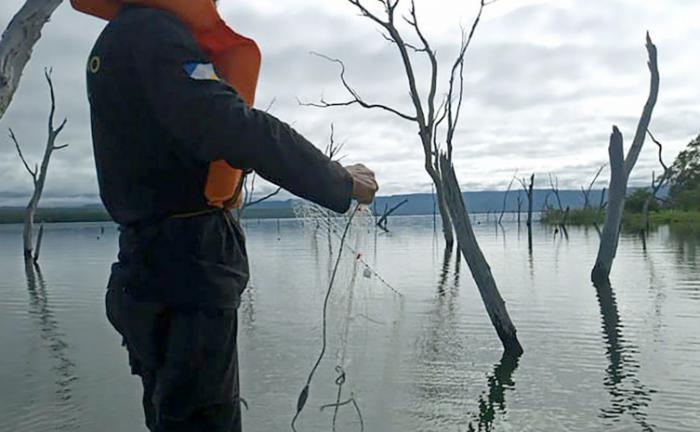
[212,122]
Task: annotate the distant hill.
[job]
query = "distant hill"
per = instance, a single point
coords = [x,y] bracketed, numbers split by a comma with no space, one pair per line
[418,204]
[488,202]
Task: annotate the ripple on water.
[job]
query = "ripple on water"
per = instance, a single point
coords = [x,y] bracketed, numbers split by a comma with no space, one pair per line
[624,357]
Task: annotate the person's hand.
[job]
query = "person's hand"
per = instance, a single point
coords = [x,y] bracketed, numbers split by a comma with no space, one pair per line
[364,186]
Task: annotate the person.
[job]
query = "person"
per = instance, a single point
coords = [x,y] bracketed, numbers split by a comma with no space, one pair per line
[158,125]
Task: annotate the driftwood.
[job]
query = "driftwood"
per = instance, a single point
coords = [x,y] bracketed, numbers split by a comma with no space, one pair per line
[621,167]
[466,239]
[17,44]
[37,173]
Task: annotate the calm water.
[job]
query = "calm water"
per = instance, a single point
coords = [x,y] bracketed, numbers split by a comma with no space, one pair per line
[625,357]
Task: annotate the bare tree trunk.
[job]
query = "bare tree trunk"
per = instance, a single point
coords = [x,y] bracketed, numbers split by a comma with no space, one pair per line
[39,174]
[28,232]
[39,238]
[495,306]
[505,198]
[621,168]
[447,228]
[530,201]
[384,220]
[17,43]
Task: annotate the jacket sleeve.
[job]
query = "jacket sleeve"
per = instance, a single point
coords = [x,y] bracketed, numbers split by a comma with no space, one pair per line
[212,122]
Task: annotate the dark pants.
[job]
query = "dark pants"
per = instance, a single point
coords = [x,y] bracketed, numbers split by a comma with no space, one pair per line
[187,361]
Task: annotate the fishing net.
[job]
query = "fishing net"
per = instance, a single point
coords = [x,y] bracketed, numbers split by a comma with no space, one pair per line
[351,281]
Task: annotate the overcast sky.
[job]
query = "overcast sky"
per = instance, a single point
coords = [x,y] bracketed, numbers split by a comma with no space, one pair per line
[546,80]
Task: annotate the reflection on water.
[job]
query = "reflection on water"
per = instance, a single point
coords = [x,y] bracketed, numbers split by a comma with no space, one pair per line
[493,400]
[621,357]
[628,395]
[63,368]
[444,273]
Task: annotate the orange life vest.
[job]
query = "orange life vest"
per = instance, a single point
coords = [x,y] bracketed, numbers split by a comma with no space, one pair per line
[237,60]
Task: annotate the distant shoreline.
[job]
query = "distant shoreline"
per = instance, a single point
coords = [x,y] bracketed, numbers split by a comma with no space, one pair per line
[9,216]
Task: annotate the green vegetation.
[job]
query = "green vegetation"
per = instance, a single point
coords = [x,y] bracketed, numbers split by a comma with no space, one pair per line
[685,178]
[585,216]
[680,208]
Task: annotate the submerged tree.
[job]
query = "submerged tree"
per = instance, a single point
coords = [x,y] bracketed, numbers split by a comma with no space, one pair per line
[429,114]
[479,267]
[621,167]
[17,43]
[431,118]
[529,189]
[39,173]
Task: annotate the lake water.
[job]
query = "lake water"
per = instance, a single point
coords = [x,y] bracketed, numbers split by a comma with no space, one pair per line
[619,358]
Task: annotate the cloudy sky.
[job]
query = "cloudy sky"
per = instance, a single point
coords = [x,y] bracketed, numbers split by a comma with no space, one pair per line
[545,82]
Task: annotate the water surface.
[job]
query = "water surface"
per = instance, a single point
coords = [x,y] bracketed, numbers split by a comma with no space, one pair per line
[620,357]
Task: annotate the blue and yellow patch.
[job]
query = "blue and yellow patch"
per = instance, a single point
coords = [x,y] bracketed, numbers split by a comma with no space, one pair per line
[201,71]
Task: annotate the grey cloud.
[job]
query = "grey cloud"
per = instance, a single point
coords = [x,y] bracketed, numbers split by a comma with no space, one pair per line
[545,83]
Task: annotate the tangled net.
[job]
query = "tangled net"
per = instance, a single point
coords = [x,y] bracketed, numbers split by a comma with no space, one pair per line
[348,231]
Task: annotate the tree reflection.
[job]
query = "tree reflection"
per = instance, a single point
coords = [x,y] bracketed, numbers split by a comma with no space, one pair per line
[628,394]
[65,378]
[445,271]
[493,400]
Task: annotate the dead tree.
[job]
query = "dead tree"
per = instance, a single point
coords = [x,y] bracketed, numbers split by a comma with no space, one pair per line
[505,198]
[656,182]
[530,193]
[384,220]
[554,186]
[429,114]
[621,167]
[39,173]
[495,306]
[587,192]
[17,44]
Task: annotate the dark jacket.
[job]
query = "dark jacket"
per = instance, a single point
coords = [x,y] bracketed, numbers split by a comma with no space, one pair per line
[157,125]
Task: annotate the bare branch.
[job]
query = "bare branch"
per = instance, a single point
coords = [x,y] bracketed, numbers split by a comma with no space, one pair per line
[60,127]
[382,223]
[505,197]
[357,99]
[270,105]
[587,192]
[265,198]
[47,75]
[643,126]
[366,13]
[661,149]
[406,44]
[332,149]
[31,172]
[413,22]
[458,69]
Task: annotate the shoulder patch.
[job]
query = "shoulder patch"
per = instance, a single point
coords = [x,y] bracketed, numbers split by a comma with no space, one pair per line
[201,71]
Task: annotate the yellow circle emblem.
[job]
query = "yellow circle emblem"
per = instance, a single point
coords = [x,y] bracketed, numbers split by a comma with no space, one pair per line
[94,64]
